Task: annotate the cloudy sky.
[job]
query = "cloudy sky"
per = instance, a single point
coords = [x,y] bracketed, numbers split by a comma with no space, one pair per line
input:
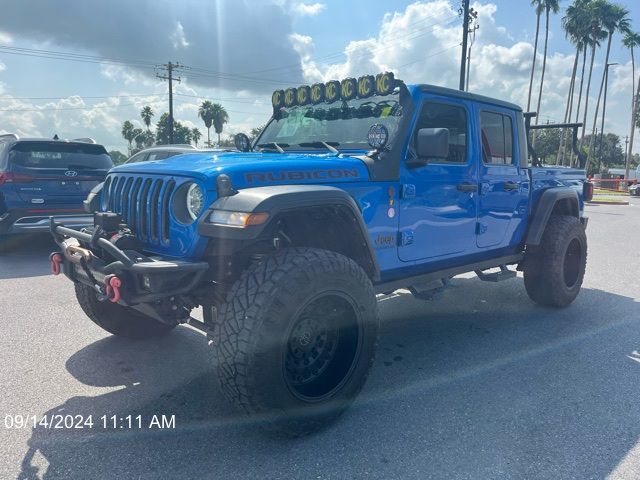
[79,68]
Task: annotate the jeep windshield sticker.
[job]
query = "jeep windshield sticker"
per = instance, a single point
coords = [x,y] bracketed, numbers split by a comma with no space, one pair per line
[297,175]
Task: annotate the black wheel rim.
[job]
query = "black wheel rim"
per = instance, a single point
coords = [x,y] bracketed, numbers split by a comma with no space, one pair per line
[322,347]
[572,262]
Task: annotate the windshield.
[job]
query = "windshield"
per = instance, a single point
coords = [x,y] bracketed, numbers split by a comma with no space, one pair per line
[60,155]
[342,124]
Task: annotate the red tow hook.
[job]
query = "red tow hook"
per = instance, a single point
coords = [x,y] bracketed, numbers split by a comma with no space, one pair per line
[112,286]
[56,260]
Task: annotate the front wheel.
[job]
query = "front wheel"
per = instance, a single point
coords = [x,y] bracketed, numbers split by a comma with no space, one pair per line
[554,270]
[116,319]
[297,338]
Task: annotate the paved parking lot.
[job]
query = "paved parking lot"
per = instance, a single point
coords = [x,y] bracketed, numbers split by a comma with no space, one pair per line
[480,383]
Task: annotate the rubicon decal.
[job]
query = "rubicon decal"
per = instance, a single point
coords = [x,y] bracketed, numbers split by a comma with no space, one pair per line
[259,177]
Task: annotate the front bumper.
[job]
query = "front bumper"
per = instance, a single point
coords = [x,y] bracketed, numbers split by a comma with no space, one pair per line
[28,221]
[124,277]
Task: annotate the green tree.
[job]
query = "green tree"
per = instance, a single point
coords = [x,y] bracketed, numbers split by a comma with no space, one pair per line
[148,138]
[196,135]
[614,19]
[631,40]
[138,138]
[255,132]
[146,114]
[539,7]
[609,155]
[181,133]
[117,157]
[205,112]
[127,133]
[549,6]
[576,25]
[220,117]
[596,33]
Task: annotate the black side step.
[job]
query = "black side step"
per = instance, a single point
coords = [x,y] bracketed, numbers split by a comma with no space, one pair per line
[503,274]
[428,290]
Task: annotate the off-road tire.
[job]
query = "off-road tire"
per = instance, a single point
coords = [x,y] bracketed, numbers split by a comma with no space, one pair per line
[257,328]
[554,270]
[117,319]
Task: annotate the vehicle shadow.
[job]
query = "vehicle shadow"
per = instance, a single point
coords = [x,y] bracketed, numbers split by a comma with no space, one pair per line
[480,383]
[25,255]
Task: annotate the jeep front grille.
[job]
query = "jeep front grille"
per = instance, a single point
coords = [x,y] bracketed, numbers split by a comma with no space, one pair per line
[143,203]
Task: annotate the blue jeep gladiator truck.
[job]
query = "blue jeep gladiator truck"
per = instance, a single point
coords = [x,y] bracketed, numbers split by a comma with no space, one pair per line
[353,189]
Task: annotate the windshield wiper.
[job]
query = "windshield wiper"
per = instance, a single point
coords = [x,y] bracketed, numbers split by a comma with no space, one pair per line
[273,144]
[319,143]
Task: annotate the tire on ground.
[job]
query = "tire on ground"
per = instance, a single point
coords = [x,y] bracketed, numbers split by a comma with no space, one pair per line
[554,270]
[281,312]
[116,319]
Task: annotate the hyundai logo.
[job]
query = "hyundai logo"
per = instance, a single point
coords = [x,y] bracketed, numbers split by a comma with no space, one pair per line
[71,173]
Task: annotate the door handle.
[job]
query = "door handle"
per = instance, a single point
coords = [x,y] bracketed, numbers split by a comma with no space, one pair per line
[511,185]
[467,187]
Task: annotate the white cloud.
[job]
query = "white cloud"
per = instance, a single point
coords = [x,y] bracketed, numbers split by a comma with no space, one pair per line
[3,67]
[178,37]
[308,9]
[5,38]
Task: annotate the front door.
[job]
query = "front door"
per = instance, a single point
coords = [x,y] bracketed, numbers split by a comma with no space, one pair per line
[503,183]
[438,200]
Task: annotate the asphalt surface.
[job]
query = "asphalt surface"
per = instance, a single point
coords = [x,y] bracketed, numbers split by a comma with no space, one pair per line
[480,383]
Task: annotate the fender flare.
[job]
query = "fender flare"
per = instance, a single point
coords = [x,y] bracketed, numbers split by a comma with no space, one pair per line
[279,199]
[548,200]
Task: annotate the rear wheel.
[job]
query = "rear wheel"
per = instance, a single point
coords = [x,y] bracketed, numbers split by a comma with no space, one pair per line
[553,271]
[297,338]
[116,319]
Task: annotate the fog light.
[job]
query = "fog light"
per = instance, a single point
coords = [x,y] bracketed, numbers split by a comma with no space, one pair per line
[146,282]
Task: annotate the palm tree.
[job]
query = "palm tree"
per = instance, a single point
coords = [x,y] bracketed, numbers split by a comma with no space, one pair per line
[138,137]
[195,135]
[576,28]
[631,40]
[596,33]
[127,133]
[205,112]
[539,9]
[146,114]
[220,117]
[549,6]
[614,18]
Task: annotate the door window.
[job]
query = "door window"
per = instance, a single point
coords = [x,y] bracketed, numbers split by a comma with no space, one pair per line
[451,117]
[497,138]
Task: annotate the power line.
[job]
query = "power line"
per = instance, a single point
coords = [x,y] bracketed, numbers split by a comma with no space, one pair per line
[85,97]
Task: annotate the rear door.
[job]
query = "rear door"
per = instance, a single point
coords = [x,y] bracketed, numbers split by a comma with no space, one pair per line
[56,173]
[503,196]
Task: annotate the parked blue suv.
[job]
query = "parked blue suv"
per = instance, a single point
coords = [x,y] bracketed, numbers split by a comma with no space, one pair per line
[353,189]
[41,178]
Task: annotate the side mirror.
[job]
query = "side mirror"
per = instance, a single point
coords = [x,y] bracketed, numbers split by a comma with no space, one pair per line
[431,143]
[242,142]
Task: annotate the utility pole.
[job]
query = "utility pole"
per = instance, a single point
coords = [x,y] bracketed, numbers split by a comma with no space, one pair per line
[465,33]
[169,68]
[472,30]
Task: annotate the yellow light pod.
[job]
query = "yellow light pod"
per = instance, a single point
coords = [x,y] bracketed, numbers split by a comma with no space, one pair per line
[317,93]
[366,86]
[348,89]
[277,99]
[290,97]
[303,96]
[385,83]
[332,91]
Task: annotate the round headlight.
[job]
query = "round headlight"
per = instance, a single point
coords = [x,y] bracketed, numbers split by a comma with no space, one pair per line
[195,201]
